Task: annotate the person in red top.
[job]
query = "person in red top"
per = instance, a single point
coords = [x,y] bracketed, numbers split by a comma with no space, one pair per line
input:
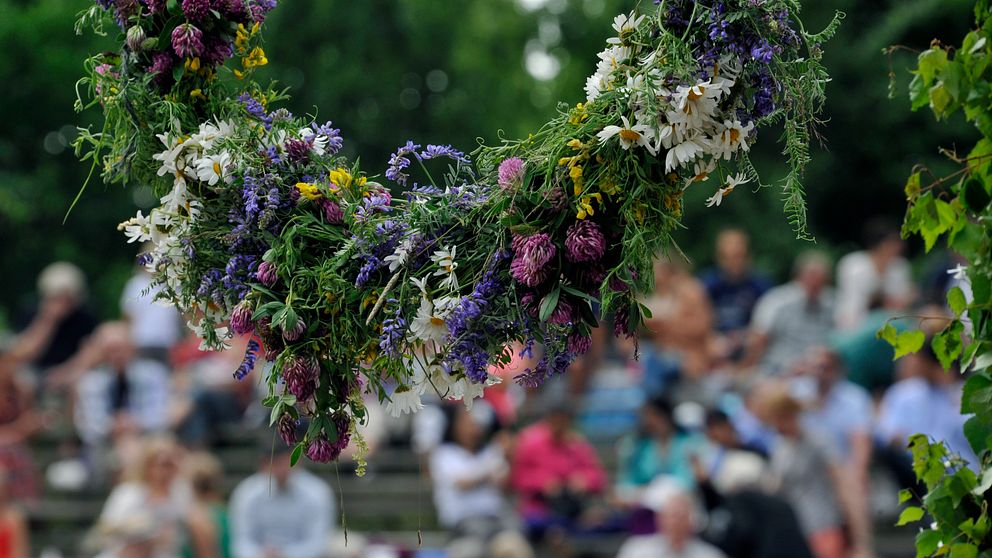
[556,474]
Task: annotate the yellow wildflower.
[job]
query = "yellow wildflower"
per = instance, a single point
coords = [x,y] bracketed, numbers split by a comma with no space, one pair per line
[193,64]
[342,178]
[578,115]
[197,94]
[239,74]
[609,186]
[585,205]
[575,173]
[576,144]
[307,190]
[254,59]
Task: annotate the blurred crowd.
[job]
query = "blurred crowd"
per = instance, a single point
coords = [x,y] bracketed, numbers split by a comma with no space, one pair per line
[747,419]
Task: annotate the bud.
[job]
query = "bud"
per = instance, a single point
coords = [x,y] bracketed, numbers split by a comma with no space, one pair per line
[135,38]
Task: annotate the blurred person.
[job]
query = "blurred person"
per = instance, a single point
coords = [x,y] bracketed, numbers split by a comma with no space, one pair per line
[124,396]
[14,536]
[676,530]
[838,411]
[281,511]
[679,330]
[152,490]
[802,473]
[555,473]
[468,471]
[208,397]
[868,359]
[155,326]
[61,322]
[207,521]
[723,440]
[134,537]
[734,290]
[19,420]
[793,317]
[660,448]
[926,401]
[878,271]
[743,520]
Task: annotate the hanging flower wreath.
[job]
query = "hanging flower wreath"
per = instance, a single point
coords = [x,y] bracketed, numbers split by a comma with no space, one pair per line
[264,229]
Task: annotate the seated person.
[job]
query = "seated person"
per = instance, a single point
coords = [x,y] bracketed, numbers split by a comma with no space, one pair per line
[555,473]
[676,536]
[281,510]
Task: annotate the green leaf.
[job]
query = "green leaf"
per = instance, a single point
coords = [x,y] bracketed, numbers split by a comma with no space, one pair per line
[930,63]
[974,195]
[927,542]
[947,344]
[964,550]
[911,514]
[976,395]
[548,304]
[294,457]
[905,495]
[978,431]
[956,300]
[912,188]
[908,342]
[940,100]
[888,333]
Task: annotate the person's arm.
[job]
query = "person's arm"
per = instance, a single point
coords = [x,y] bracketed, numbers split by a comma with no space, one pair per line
[202,534]
[29,345]
[526,474]
[27,422]
[20,542]
[243,545]
[854,509]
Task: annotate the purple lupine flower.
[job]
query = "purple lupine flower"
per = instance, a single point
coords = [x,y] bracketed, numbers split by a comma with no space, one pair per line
[399,161]
[563,312]
[333,135]
[187,41]
[511,173]
[154,6]
[286,427]
[531,257]
[273,201]
[295,332]
[256,109]
[579,344]
[584,242]
[332,211]
[144,259]
[261,8]
[241,322]
[266,274]
[248,364]
[439,151]
[196,10]
[763,52]
[393,332]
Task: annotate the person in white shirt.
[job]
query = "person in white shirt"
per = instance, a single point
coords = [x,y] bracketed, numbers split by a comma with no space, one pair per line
[875,277]
[790,319]
[281,511]
[677,537]
[155,326]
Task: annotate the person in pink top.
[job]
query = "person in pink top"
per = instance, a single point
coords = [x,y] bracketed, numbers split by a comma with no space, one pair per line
[556,474]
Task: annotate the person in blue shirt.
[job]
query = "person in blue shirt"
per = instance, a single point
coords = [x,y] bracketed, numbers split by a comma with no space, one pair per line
[734,289]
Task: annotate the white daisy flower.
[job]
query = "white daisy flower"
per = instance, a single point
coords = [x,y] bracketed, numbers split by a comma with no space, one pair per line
[213,168]
[732,182]
[466,391]
[731,138]
[698,103]
[403,401]
[318,142]
[624,24]
[684,153]
[637,134]
[429,324]
[445,260]
[135,228]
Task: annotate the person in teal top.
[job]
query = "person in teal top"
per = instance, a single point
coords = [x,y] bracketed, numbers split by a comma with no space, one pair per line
[660,447]
[207,527]
[867,358]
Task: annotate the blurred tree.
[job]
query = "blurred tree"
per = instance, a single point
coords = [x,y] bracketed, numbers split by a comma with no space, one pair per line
[447,72]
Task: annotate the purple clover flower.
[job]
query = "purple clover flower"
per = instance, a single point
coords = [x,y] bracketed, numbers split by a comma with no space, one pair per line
[241,322]
[196,10]
[187,41]
[511,173]
[584,242]
[531,257]
[266,274]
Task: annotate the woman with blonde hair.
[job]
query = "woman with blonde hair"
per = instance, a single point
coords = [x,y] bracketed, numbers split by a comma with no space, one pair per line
[152,489]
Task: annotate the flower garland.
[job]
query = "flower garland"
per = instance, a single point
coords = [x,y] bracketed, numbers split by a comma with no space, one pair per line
[263,229]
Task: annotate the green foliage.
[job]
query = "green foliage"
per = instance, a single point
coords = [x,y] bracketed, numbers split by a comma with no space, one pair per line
[955,209]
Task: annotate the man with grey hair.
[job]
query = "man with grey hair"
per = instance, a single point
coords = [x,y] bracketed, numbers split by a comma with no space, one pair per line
[792,318]
[674,514]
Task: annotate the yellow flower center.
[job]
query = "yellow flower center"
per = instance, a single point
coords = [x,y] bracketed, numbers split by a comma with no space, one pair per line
[629,135]
[693,96]
[735,135]
[217,168]
[436,321]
